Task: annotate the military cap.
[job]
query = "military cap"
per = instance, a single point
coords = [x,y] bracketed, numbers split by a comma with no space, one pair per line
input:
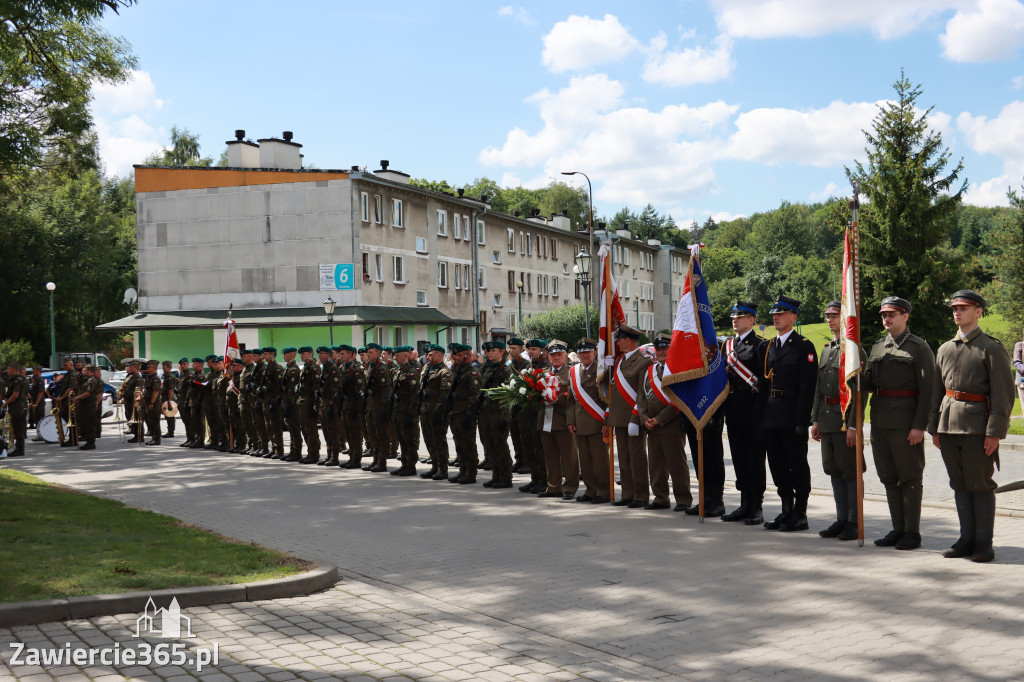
[536,343]
[270,349]
[237,361]
[492,345]
[345,346]
[220,358]
[893,302]
[627,332]
[458,347]
[153,363]
[784,304]
[289,349]
[586,344]
[515,341]
[247,351]
[389,349]
[662,340]
[968,296]
[432,347]
[185,360]
[557,346]
[834,304]
[211,358]
[306,349]
[376,346]
[257,351]
[362,349]
[403,349]
[193,360]
[741,308]
[323,349]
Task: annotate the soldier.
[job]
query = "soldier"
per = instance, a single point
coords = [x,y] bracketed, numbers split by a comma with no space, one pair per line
[272,398]
[132,382]
[97,399]
[627,373]
[493,419]
[68,387]
[405,409]
[838,448]
[517,363]
[660,420]
[236,431]
[184,384]
[899,370]
[527,419]
[388,356]
[786,397]
[379,381]
[560,460]
[15,394]
[585,418]
[200,386]
[435,388]
[463,400]
[151,402]
[257,431]
[292,374]
[37,399]
[246,388]
[971,401]
[353,386]
[329,408]
[744,354]
[219,385]
[306,405]
[168,389]
[86,412]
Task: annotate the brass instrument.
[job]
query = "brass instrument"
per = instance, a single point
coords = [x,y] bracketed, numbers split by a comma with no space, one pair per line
[60,426]
[139,412]
[7,429]
[72,419]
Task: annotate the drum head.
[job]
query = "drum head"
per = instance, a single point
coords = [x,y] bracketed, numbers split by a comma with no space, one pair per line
[47,429]
[169,408]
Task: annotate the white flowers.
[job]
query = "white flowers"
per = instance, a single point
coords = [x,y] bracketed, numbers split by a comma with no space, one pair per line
[522,391]
[524,372]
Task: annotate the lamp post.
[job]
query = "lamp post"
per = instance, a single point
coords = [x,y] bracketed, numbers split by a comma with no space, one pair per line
[519,320]
[582,270]
[329,309]
[50,286]
[590,194]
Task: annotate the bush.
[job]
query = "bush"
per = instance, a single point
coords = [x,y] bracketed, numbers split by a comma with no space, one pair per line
[566,323]
[16,351]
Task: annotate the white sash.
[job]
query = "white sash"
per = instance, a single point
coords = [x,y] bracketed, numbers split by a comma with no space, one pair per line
[655,382]
[582,397]
[625,390]
[742,371]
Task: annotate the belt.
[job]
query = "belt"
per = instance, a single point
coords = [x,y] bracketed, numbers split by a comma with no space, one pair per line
[778,393]
[895,393]
[831,401]
[966,397]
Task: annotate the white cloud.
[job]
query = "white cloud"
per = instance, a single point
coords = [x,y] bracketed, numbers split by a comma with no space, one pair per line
[581,42]
[807,18]
[1004,137]
[829,192]
[992,30]
[121,114]
[992,192]
[518,14]
[1017,82]
[690,65]
[138,95]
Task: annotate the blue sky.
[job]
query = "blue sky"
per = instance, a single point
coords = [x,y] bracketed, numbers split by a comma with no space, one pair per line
[700,107]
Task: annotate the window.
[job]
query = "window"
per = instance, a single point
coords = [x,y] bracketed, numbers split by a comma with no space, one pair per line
[366,267]
[442,275]
[465,275]
[625,256]
[497,300]
[511,281]
[442,223]
[398,336]
[481,232]
[466,232]
[522,243]
[458,277]
[554,286]
[398,264]
[421,244]
[625,289]
[554,249]
[397,219]
[377,259]
[421,297]
[513,322]
[529,283]
[529,244]
[481,278]
[577,283]
[496,257]
[540,246]
[456,225]
[378,209]
[364,206]
[511,240]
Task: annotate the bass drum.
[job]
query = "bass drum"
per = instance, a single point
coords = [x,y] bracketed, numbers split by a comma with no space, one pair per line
[47,429]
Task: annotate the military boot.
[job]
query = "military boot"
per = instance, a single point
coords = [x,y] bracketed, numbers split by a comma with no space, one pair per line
[797,519]
[429,473]
[740,512]
[964,546]
[911,538]
[894,496]
[787,508]
[755,515]
[984,526]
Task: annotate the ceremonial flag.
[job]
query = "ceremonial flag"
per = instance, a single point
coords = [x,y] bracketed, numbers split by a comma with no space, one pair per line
[695,371]
[611,311]
[849,354]
[231,351]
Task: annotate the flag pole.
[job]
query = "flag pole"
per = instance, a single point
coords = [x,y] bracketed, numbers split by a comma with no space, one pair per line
[606,272]
[855,264]
[700,475]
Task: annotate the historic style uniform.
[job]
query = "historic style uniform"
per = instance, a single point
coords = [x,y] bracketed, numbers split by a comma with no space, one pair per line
[37,401]
[405,412]
[971,401]
[586,412]
[627,374]
[379,381]
[184,385]
[88,411]
[307,406]
[493,421]
[289,411]
[151,403]
[68,388]
[236,433]
[560,460]
[435,393]
[517,364]
[15,401]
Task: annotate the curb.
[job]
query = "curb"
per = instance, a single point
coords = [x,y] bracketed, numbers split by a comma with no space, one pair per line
[51,610]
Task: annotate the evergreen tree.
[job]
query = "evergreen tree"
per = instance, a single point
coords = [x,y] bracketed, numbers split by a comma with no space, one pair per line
[1008,241]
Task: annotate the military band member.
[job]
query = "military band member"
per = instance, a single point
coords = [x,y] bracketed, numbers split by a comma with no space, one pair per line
[236,432]
[168,390]
[660,422]
[527,419]
[86,412]
[626,375]
[151,390]
[289,413]
[329,392]
[787,395]
[899,371]
[97,399]
[744,355]
[560,459]
[379,381]
[132,381]
[68,386]
[37,399]
[463,400]
[14,402]
[353,405]
[492,419]
[517,363]
[184,384]
[405,411]
[838,447]
[306,404]
[585,419]
[200,385]
[971,401]
[435,388]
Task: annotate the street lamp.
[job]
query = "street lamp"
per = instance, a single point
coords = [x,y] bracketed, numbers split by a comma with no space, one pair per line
[590,194]
[582,270]
[519,320]
[329,309]
[50,286]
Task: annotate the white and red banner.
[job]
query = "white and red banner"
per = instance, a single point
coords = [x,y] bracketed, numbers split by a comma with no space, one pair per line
[548,385]
[611,311]
[686,357]
[231,351]
[849,354]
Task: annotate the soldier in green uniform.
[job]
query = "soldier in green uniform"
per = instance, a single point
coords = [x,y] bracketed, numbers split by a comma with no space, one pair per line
[258,444]
[435,388]
[899,371]
[517,363]
[236,431]
[87,412]
[388,356]
[340,436]
[972,397]
[220,386]
[533,450]
[329,392]
[306,405]
[184,384]
[132,381]
[273,399]
[492,418]
[290,415]
[68,387]
[37,399]
[14,402]
[378,405]
[405,410]
[463,400]
[245,388]
[838,447]
[353,385]
[559,447]
[151,402]
[207,404]
[194,407]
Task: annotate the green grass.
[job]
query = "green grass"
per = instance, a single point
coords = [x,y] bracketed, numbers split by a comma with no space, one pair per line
[57,543]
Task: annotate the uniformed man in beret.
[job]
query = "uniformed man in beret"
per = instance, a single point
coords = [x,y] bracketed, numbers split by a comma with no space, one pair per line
[236,431]
[463,400]
[258,442]
[899,371]
[379,382]
[273,404]
[246,388]
[560,459]
[787,395]
[527,419]
[168,392]
[388,357]
[585,418]
[14,395]
[406,409]
[219,386]
[971,402]
[307,406]
[435,411]
[492,418]
[744,354]
[517,363]
[838,447]
[184,384]
[329,408]
[289,413]
[628,370]
[151,401]
[353,387]
[341,355]
[200,384]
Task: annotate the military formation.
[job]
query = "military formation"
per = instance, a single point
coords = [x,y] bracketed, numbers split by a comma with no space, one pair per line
[373,404]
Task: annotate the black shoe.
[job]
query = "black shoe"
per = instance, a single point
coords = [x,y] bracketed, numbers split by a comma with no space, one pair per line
[636,504]
[486,466]
[467,480]
[187,443]
[457,478]
[167,435]
[489,483]
[331,462]
[378,468]
[153,442]
[277,455]
[754,517]
[738,514]
[501,484]
[440,476]
[310,459]
[538,488]
[429,474]
[407,471]
[713,509]
[794,522]
[87,446]
[680,507]
[351,464]
[521,470]
[526,488]
[584,498]
[834,530]
[982,555]
[959,549]
[849,532]
[600,500]
[621,503]
[568,497]
[890,539]
[657,505]
[130,440]
[547,494]
[222,448]
[293,457]
[268,455]
[776,523]
[21,453]
[909,541]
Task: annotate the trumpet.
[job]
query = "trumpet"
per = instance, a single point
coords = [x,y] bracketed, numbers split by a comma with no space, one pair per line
[139,412]
[73,419]
[60,427]
[7,429]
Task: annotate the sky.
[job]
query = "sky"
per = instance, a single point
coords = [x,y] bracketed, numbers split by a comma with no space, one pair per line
[702,108]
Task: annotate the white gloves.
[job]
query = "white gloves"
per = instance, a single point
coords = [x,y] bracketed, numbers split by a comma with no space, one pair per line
[609,361]
[633,429]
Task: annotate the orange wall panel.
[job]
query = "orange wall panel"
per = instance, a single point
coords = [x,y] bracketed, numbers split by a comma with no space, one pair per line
[148,179]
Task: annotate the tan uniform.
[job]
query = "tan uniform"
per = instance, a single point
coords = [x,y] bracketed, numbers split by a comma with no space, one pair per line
[666,449]
[560,458]
[590,446]
[632,449]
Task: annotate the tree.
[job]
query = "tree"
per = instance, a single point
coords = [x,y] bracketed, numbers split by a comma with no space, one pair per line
[184,151]
[558,197]
[16,351]
[51,51]
[906,222]
[1007,241]
[566,323]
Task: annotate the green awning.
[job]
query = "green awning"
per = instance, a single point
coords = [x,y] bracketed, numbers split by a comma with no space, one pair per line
[280,317]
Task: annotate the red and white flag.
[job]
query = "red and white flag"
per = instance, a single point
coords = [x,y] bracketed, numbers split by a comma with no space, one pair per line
[609,325]
[686,356]
[231,351]
[849,354]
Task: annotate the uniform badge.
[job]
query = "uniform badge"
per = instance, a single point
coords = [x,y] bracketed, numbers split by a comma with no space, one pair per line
[810,357]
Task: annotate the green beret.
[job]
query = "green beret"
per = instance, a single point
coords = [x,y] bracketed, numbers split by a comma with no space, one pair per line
[257,351]
[152,363]
[323,349]
[211,358]
[247,351]
[376,346]
[270,349]
[237,361]
[491,345]
[185,360]
[403,349]
[345,346]
[306,349]
[536,343]
[362,349]
[516,341]
[197,360]
[389,349]
[433,346]
[220,358]
[289,349]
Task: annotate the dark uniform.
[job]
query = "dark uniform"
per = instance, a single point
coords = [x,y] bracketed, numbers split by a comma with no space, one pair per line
[88,411]
[185,374]
[68,388]
[493,421]
[292,422]
[132,382]
[245,387]
[273,399]
[405,412]
[15,401]
[353,409]
[151,392]
[200,386]
[972,398]
[586,413]
[37,400]
[306,404]
[787,395]
[533,449]
[899,372]
[168,391]
[435,391]
[236,432]
[464,392]
[517,364]
[329,408]
[258,443]
[379,381]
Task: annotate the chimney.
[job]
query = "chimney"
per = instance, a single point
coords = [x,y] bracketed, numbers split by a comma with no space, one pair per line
[561,221]
[394,176]
[462,192]
[280,152]
[243,153]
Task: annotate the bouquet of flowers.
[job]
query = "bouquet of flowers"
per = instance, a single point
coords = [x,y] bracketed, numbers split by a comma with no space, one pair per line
[530,388]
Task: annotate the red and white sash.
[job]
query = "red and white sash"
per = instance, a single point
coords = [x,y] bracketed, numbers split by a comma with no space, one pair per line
[655,382]
[625,390]
[742,371]
[582,397]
